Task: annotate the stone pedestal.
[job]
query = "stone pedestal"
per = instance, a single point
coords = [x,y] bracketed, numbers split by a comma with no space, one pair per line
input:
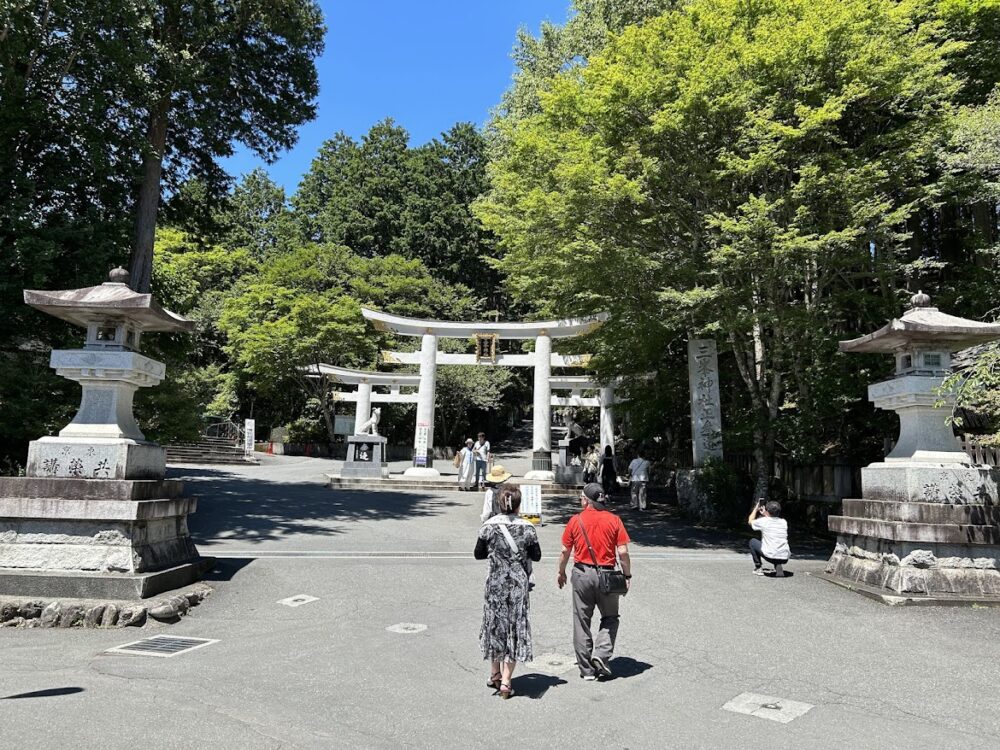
[922,531]
[565,473]
[95,539]
[96,458]
[541,467]
[365,457]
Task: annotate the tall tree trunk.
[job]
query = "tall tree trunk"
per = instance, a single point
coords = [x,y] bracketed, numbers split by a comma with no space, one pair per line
[148,202]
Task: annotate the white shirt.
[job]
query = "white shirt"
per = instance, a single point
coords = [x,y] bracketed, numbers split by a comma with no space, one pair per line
[639,470]
[467,456]
[482,450]
[773,537]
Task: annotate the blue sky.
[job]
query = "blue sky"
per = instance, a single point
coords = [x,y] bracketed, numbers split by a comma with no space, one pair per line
[426,63]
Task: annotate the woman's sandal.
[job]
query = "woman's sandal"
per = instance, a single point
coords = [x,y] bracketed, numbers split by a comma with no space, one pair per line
[495,681]
[506,691]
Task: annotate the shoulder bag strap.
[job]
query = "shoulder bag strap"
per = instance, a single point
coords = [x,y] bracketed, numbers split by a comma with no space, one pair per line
[579,520]
[510,540]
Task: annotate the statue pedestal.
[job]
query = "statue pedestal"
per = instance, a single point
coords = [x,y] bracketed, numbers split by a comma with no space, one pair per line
[94,538]
[565,472]
[366,457]
[921,531]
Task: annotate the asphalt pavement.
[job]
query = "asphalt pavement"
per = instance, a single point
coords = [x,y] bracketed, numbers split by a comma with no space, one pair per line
[697,631]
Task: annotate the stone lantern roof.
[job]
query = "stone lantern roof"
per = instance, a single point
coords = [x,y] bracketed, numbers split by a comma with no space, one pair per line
[923,325]
[112,300]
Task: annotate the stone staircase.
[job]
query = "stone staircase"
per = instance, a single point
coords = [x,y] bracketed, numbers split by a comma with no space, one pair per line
[208,450]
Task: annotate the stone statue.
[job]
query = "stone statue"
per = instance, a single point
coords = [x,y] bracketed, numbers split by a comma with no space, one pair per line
[371,426]
[573,430]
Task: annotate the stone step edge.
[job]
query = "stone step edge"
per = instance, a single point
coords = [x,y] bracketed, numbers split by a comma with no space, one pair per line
[901,531]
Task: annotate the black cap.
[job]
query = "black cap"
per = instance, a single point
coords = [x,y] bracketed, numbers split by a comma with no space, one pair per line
[594,492]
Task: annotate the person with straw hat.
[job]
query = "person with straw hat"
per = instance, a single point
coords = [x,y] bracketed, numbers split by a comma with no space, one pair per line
[496,476]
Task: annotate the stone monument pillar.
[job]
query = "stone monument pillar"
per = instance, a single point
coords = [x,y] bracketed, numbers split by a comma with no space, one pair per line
[423,438]
[94,517]
[706,411]
[363,406]
[927,526]
[706,427]
[541,458]
[607,418]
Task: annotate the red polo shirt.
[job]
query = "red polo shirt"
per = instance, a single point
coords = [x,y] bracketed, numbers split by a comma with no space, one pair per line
[605,530]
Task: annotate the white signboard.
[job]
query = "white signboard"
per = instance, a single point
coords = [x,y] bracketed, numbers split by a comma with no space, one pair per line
[531,500]
[420,446]
[249,435]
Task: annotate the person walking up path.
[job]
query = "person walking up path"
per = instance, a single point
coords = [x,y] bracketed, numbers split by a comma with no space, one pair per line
[491,505]
[609,476]
[607,536]
[638,471]
[509,542]
[466,466]
[482,451]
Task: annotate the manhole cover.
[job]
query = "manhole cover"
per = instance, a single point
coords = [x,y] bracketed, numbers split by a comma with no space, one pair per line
[767,707]
[553,664]
[162,645]
[406,627]
[298,600]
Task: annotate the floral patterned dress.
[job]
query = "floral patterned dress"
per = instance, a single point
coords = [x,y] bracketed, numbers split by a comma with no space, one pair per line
[506,631]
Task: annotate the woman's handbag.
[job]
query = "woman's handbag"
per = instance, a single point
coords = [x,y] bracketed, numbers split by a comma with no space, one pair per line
[457,460]
[611,580]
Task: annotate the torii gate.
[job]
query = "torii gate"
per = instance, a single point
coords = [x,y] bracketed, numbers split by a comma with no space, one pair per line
[542,360]
[363,396]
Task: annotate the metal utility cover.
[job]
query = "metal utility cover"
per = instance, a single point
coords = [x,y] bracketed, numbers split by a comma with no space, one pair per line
[298,600]
[781,710]
[162,645]
[553,664]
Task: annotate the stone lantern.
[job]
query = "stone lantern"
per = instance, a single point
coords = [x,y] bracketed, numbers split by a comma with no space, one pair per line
[928,525]
[103,441]
[94,517]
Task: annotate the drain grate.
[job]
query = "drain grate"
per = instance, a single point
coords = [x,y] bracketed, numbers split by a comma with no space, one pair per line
[162,645]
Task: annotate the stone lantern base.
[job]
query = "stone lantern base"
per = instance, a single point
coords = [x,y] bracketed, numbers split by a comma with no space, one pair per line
[93,539]
[922,531]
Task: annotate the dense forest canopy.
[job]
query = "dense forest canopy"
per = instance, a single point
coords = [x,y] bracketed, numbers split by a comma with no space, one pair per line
[777,175]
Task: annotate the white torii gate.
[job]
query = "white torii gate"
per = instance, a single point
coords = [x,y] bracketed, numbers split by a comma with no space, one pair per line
[363,396]
[542,360]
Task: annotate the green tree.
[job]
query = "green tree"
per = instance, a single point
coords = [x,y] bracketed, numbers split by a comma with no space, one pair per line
[216,72]
[257,217]
[739,169]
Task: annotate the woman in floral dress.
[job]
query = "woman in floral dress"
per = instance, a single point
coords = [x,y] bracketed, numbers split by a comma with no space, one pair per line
[505,637]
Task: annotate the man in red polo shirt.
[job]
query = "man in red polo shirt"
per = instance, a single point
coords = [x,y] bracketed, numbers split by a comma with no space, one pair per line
[607,536]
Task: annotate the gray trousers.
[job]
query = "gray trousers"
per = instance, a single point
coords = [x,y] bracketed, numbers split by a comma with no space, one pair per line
[586,595]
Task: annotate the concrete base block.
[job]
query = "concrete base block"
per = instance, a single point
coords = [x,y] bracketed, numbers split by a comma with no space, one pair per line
[95,458]
[569,474]
[425,472]
[86,489]
[896,600]
[540,476]
[951,483]
[101,586]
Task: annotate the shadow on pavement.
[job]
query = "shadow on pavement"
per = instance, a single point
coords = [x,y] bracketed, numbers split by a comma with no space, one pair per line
[50,693]
[226,568]
[257,510]
[624,667]
[664,526]
[534,685]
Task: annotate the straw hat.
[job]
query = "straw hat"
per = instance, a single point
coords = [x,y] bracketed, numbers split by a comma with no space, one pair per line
[498,474]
